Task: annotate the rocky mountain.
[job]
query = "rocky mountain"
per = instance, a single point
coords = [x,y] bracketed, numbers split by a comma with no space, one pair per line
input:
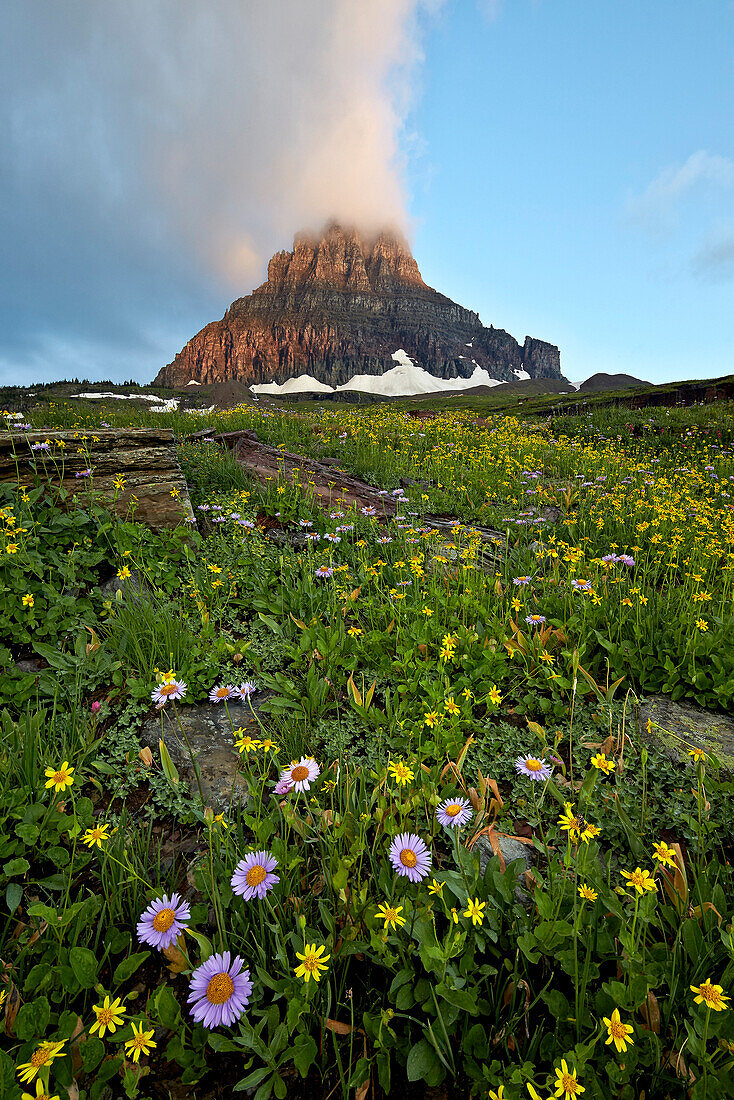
[340,304]
[602,381]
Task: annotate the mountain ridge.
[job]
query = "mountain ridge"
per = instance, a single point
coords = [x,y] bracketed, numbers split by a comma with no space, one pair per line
[339,304]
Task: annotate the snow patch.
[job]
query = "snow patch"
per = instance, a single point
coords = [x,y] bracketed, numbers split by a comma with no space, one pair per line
[304,383]
[193,382]
[521,375]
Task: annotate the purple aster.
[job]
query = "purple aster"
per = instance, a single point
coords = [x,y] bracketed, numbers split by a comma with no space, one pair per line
[521,580]
[626,559]
[223,694]
[331,538]
[369,511]
[533,767]
[410,856]
[163,921]
[219,991]
[253,877]
[611,558]
[323,572]
[246,689]
[305,523]
[454,812]
[40,446]
[581,585]
[283,786]
[84,473]
[535,620]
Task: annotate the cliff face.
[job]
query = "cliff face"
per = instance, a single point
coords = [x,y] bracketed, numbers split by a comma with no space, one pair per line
[340,305]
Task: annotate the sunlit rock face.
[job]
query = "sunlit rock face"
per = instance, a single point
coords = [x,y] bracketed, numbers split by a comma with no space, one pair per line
[340,304]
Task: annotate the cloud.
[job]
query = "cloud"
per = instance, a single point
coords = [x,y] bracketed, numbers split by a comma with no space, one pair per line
[658,208]
[714,260]
[156,152]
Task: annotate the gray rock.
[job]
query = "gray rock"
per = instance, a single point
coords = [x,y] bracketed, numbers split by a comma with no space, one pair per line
[209,734]
[678,727]
[511,850]
[110,588]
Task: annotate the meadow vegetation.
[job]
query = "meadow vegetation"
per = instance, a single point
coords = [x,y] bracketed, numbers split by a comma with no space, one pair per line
[403,699]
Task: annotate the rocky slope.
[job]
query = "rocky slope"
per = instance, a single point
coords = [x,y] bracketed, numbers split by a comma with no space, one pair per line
[340,305]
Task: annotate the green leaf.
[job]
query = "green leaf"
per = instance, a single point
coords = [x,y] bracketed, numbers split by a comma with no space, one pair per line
[84,964]
[92,1053]
[169,768]
[13,895]
[9,1090]
[422,1061]
[32,1019]
[304,1053]
[27,832]
[17,866]
[125,969]
[167,1007]
[205,945]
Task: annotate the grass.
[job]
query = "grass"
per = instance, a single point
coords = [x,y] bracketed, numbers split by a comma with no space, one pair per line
[412,674]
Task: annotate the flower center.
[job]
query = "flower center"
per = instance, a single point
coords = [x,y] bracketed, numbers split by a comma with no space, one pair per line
[390,915]
[222,693]
[311,963]
[39,1058]
[105,1016]
[219,989]
[408,858]
[569,1083]
[618,1030]
[709,994]
[533,765]
[163,920]
[256,875]
[453,810]
[169,688]
[59,777]
[299,773]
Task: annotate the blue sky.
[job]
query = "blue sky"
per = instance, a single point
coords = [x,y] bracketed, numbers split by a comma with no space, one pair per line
[566,168]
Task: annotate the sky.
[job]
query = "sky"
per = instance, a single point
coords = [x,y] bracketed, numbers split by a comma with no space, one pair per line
[565,168]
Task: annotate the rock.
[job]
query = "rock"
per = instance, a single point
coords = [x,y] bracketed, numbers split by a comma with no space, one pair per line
[133,583]
[154,486]
[209,734]
[339,305]
[510,848]
[677,727]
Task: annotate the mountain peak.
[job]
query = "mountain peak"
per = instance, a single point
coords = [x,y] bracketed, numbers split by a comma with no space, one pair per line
[343,259]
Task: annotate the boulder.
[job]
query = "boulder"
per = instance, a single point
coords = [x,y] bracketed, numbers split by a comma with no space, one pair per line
[678,727]
[154,492]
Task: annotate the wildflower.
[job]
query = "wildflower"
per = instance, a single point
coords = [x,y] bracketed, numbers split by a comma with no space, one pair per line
[475,910]
[498,1095]
[587,893]
[400,772]
[59,778]
[96,706]
[96,835]
[664,854]
[123,573]
[589,832]
[569,821]
[641,880]
[220,990]
[436,888]
[695,754]
[521,580]
[41,1093]
[141,1042]
[390,915]
[430,718]
[28,600]
[313,961]
[619,1033]
[454,812]
[566,1084]
[410,856]
[43,1055]
[163,921]
[533,767]
[246,743]
[166,691]
[494,695]
[253,876]
[354,631]
[246,689]
[427,612]
[269,745]
[323,572]
[223,694]
[535,620]
[450,706]
[301,773]
[712,996]
[601,763]
[110,1015]
[454,916]
[702,625]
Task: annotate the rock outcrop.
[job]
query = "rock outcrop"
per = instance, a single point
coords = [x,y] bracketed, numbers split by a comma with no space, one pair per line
[340,305]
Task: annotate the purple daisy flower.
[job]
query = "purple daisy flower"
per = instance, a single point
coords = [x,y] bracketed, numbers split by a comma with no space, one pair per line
[223,694]
[163,921]
[535,620]
[533,767]
[452,813]
[253,876]
[283,786]
[219,991]
[521,580]
[246,689]
[626,559]
[581,584]
[323,572]
[410,856]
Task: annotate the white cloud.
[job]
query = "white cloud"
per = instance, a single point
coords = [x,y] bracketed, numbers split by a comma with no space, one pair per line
[659,206]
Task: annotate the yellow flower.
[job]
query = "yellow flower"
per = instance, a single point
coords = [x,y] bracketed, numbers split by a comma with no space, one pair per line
[589,832]
[59,778]
[109,1016]
[569,821]
[28,600]
[467,693]
[430,717]
[390,915]
[587,893]
[494,695]
[712,996]
[454,916]
[42,1056]
[641,880]
[400,772]
[313,961]
[702,624]
[141,1042]
[475,910]
[664,854]
[498,1095]
[435,887]
[619,1033]
[267,744]
[354,631]
[123,573]
[566,1084]
[119,482]
[602,764]
[697,754]
[11,548]
[96,835]
[247,744]
[41,1093]
[427,612]
[451,706]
